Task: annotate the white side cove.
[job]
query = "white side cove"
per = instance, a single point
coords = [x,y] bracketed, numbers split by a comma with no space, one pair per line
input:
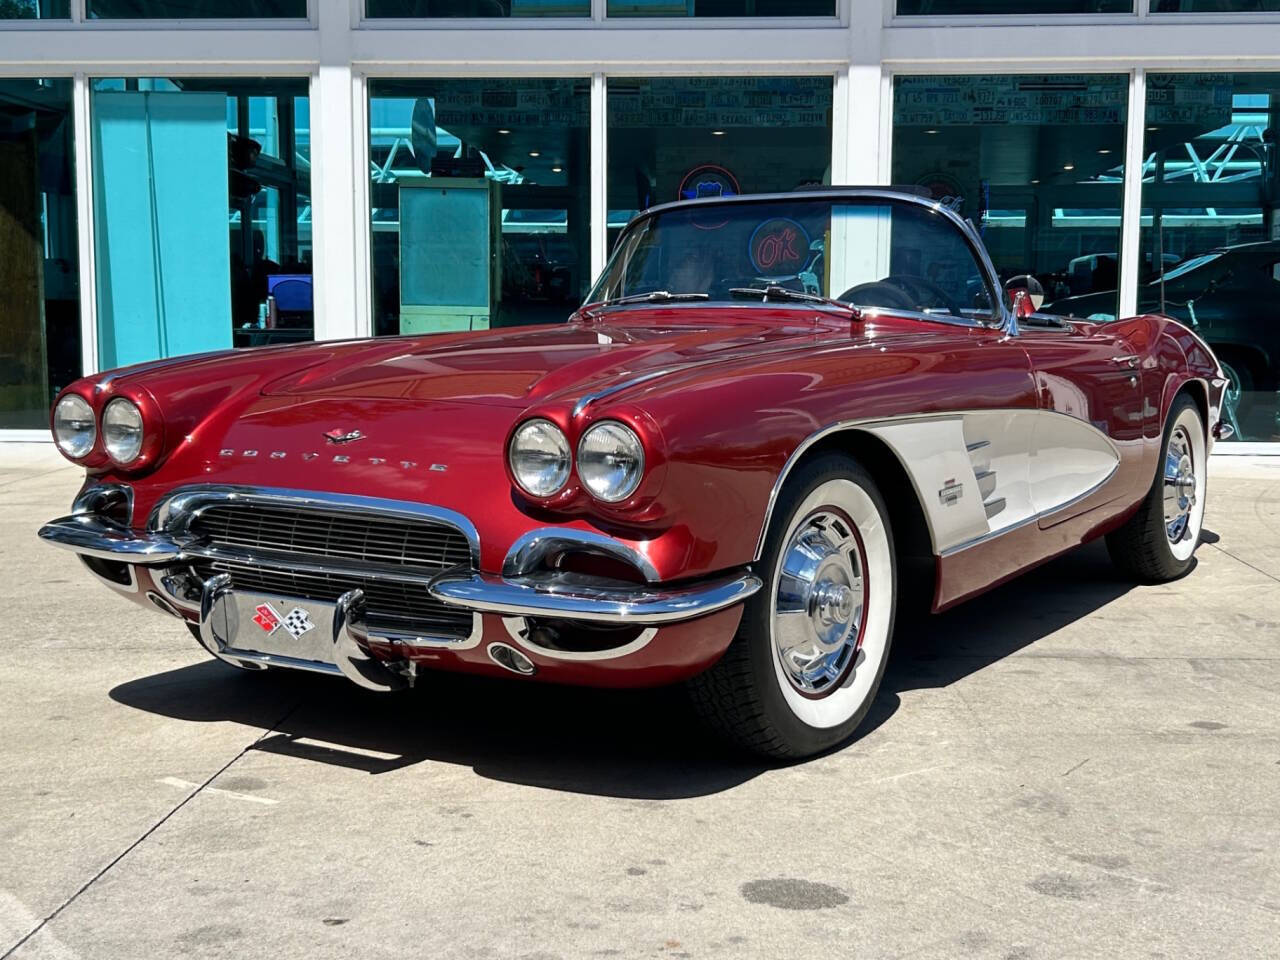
[984,473]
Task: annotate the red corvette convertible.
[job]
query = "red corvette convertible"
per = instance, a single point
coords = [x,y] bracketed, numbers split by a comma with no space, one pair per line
[776,419]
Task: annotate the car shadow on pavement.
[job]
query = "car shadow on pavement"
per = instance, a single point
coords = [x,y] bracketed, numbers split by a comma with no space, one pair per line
[639,744]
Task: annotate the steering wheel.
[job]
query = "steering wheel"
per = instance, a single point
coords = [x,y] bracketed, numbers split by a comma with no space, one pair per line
[878,293]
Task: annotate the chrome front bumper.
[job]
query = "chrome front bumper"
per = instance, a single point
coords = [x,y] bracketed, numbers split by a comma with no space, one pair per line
[519,592]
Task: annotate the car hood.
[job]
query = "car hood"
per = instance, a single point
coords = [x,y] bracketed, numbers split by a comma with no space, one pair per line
[517,367]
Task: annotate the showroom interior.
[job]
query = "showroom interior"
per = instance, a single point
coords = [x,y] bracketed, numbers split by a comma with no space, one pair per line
[179,176]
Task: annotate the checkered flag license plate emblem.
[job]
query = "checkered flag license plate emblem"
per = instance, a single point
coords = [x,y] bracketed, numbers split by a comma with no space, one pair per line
[298,622]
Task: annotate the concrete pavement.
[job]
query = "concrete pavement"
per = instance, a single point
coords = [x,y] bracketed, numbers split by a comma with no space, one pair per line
[1068,767]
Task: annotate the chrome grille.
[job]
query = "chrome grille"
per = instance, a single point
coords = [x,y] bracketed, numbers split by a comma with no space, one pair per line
[353,541]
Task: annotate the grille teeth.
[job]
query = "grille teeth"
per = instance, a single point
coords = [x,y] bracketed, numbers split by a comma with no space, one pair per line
[353,539]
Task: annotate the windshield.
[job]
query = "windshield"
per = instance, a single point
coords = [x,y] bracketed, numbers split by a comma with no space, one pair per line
[866,252]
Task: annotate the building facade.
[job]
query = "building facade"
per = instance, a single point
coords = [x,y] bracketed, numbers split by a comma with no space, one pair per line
[186,175]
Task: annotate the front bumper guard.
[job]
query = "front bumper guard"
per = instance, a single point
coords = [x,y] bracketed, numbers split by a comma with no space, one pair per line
[541,594]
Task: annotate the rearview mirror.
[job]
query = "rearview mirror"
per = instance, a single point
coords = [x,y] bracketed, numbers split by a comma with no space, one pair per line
[1026,294]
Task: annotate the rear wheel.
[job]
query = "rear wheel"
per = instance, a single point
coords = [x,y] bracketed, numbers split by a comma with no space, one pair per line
[811,650]
[1157,542]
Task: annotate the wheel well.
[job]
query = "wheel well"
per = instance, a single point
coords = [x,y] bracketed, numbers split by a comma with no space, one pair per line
[912,545]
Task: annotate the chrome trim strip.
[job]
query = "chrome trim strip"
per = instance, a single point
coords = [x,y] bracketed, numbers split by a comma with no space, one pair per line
[175,511]
[570,597]
[589,398]
[529,550]
[517,629]
[864,423]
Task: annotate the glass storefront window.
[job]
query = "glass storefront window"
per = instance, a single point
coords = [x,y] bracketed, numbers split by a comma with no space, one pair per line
[1211,220]
[1035,161]
[202,215]
[722,8]
[195,9]
[1215,6]
[35,9]
[481,200]
[673,138]
[39,264]
[376,9]
[949,8]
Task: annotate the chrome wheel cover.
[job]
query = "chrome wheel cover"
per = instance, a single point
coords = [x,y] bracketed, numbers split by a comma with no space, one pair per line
[820,600]
[1179,485]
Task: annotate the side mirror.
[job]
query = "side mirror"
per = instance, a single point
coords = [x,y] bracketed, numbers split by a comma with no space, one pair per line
[1026,294]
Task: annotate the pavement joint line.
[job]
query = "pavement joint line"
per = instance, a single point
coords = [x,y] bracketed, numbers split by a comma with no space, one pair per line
[1245,562]
[147,833]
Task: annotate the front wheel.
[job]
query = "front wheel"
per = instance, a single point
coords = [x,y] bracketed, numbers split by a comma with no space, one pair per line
[805,666]
[1155,545]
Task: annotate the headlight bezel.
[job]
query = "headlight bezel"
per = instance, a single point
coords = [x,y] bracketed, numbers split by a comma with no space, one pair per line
[140,444]
[91,418]
[564,473]
[629,437]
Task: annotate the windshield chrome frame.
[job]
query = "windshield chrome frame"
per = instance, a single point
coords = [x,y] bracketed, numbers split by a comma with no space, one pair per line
[1004,318]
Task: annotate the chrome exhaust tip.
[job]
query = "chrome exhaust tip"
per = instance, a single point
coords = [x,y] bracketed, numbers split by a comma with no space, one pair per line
[509,658]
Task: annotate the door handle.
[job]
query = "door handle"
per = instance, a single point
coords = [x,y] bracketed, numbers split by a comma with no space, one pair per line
[1128,361]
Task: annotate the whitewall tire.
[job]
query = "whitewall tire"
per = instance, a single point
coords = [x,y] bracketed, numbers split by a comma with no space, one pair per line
[807,662]
[1157,543]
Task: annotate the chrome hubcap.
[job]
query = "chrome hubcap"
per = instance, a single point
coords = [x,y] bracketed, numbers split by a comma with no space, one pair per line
[818,610]
[1179,486]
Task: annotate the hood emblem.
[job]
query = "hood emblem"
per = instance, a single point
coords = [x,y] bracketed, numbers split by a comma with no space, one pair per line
[339,436]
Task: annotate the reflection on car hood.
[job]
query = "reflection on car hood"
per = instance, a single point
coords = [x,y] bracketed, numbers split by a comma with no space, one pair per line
[519,366]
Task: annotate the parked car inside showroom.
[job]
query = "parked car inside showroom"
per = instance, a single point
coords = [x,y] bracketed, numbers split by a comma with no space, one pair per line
[702,477]
[1229,296]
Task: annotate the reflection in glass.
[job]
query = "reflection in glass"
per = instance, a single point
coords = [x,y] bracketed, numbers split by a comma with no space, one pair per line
[202,215]
[35,9]
[375,9]
[1210,195]
[947,8]
[481,202]
[722,8]
[1034,161]
[673,138]
[898,256]
[39,268]
[196,9]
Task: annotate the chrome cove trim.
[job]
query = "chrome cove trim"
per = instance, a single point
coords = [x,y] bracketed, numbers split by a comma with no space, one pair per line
[174,513]
[518,629]
[530,551]
[571,597]
[1034,518]
[968,451]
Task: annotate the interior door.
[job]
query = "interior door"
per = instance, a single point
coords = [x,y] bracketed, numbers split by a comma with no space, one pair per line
[1090,450]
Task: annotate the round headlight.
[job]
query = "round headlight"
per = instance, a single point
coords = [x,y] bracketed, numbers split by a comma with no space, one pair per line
[73,426]
[122,430]
[610,461]
[540,458]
